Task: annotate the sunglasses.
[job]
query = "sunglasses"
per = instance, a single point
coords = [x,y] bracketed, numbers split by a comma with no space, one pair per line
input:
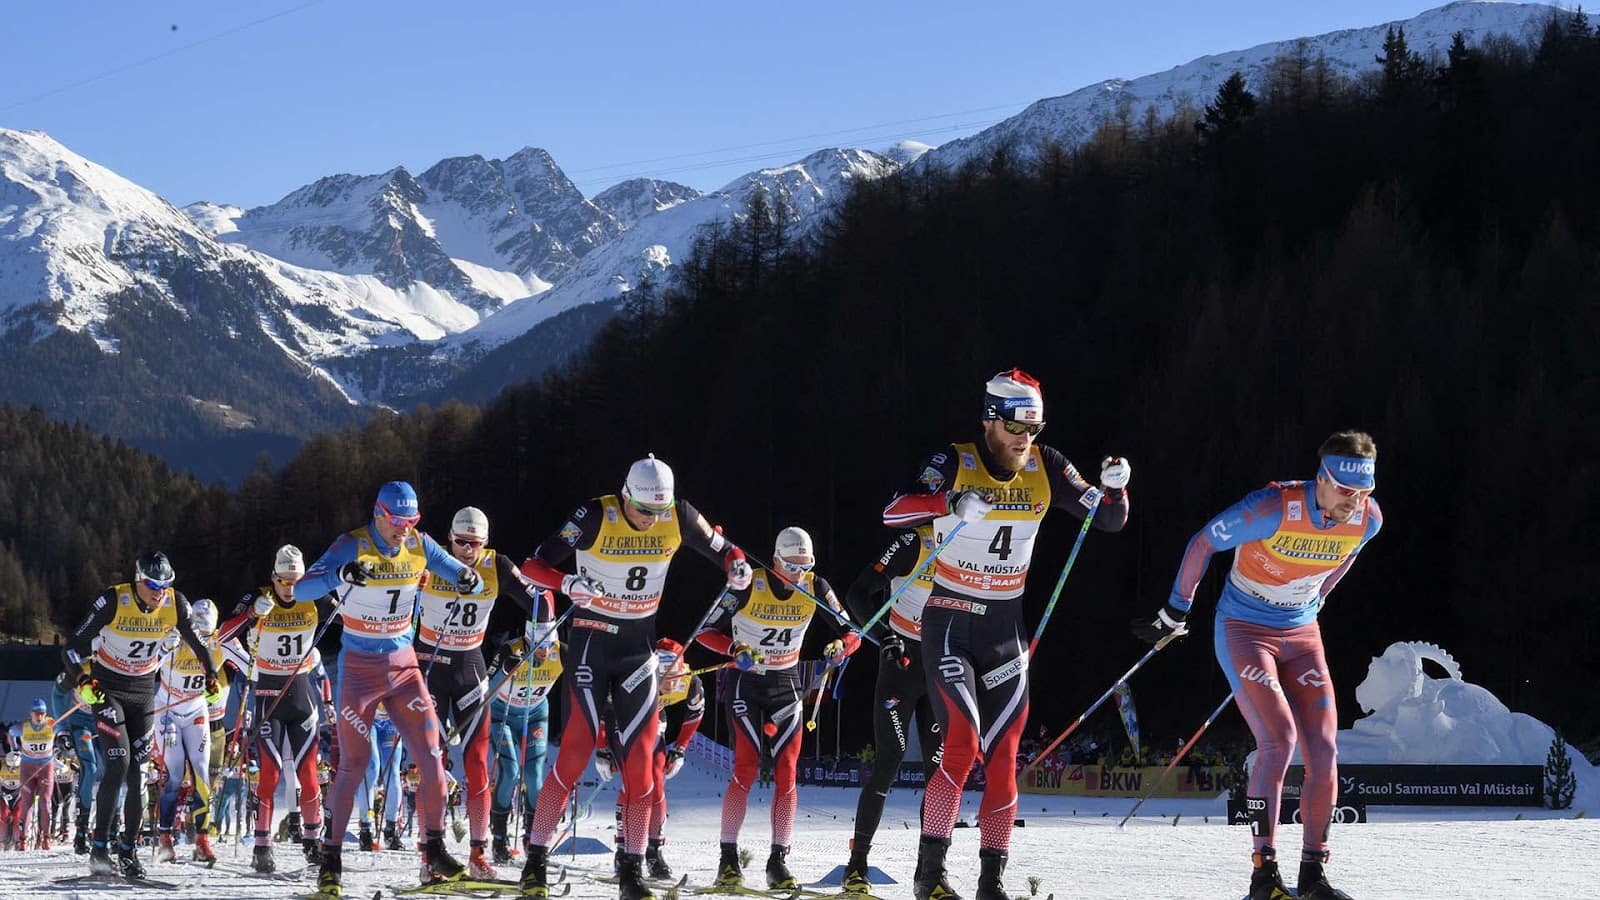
[285,581]
[157,586]
[465,542]
[795,568]
[1014,427]
[657,511]
[1349,493]
[398,521]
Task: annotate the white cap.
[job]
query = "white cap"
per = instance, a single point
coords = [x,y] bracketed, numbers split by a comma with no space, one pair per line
[649,483]
[203,614]
[470,522]
[1016,395]
[289,561]
[794,543]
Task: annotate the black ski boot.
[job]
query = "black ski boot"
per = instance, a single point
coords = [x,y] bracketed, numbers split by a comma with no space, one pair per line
[630,880]
[1313,883]
[930,882]
[297,832]
[440,865]
[1265,882]
[779,878]
[128,865]
[391,838]
[991,869]
[364,839]
[80,841]
[312,848]
[500,850]
[855,873]
[654,863]
[261,860]
[330,877]
[729,874]
[533,882]
[100,861]
[616,861]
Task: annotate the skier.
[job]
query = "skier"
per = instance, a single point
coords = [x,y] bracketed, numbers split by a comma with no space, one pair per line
[450,632]
[623,544]
[289,692]
[381,564]
[10,789]
[76,724]
[1292,542]
[973,648]
[120,645]
[902,690]
[682,704]
[520,711]
[35,737]
[762,627]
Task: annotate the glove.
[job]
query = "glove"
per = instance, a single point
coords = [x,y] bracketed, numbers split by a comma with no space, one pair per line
[837,650]
[738,569]
[582,589]
[1114,473]
[605,765]
[88,690]
[745,657]
[674,761]
[263,606]
[971,506]
[169,641]
[893,648]
[1167,621]
[213,690]
[354,573]
[468,582]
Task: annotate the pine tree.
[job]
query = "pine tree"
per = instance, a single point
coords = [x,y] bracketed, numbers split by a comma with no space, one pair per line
[1403,69]
[1226,114]
[1559,782]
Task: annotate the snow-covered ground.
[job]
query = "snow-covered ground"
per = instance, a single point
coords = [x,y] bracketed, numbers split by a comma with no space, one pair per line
[1072,845]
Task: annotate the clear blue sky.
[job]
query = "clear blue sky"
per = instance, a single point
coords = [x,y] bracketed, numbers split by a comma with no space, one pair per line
[242,103]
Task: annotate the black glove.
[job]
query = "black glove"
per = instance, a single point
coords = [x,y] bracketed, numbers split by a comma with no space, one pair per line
[468,582]
[894,650]
[1167,621]
[354,573]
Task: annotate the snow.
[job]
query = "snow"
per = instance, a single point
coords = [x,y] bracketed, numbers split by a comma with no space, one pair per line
[1071,844]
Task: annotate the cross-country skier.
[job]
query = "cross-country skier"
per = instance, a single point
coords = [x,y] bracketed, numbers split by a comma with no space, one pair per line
[520,713]
[78,723]
[35,737]
[120,645]
[762,627]
[1292,542]
[902,687]
[381,564]
[10,790]
[973,647]
[621,545]
[450,632]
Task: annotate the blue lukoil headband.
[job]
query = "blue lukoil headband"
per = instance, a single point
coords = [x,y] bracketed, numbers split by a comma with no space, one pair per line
[1352,471]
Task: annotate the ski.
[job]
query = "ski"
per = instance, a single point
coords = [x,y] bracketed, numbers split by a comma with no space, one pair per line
[471,887]
[739,890]
[118,881]
[660,884]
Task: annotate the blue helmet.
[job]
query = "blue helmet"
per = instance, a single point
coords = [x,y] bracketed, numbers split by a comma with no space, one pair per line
[396,498]
[39,706]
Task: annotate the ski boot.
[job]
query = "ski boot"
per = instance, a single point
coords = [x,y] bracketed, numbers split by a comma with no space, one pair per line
[164,851]
[330,877]
[128,865]
[478,867]
[930,882]
[297,832]
[1265,882]
[655,864]
[991,868]
[261,859]
[533,883]
[630,880]
[44,841]
[437,863]
[1313,883]
[20,844]
[364,838]
[80,841]
[855,873]
[498,822]
[729,875]
[202,848]
[100,862]
[312,848]
[391,838]
[779,878]
[501,852]
[616,861]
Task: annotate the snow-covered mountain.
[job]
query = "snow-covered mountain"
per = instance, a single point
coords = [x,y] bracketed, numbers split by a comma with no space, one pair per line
[632,200]
[1072,118]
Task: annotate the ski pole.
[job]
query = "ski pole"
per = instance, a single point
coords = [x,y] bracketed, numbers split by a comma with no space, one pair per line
[333,615]
[839,617]
[1171,765]
[704,669]
[494,688]
[1061,581]
[1096,705]
[911,579]
[822,690]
